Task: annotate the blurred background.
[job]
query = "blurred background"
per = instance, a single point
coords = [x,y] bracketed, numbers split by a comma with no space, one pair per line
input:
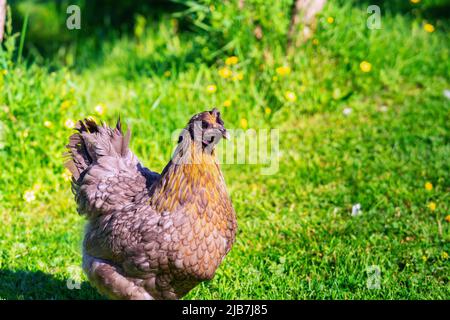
[363,115]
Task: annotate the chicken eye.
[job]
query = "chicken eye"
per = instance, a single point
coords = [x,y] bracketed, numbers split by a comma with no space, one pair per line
[205,124]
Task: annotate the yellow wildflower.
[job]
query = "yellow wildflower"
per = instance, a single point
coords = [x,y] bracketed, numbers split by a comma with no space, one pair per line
[48,124]
[100,109]
[65,104]
[238,76]
[244,123]
[25,133]
[69,123]
[211,88]
[268,111]
[225,73]
[415,1]
[231,60]
[447,218]
[424,258]
[432,206]
[283,70]
[365,66]
[66,175]
[315,42]
[290,96]
[444,255]
[429,186]
[167,73]
[227,103]
[428,27]
[330,20]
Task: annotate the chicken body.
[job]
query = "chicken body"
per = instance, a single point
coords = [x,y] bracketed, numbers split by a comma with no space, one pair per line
[149,236]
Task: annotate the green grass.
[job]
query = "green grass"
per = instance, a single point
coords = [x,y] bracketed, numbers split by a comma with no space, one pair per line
[297,238]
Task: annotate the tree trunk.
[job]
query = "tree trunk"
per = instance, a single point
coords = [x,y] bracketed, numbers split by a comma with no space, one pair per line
[303,11]
[2,18]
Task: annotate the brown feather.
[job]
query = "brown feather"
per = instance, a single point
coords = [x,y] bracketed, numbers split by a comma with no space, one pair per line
[149,236]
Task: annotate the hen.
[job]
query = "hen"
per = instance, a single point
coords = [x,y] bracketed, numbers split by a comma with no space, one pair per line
[150,235]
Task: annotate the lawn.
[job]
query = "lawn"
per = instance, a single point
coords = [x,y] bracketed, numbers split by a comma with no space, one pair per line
[363,117]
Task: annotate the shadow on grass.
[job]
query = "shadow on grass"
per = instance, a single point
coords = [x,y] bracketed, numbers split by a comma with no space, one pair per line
[37,285]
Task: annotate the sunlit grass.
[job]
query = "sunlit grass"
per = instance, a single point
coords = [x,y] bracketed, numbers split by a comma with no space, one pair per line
[362,119]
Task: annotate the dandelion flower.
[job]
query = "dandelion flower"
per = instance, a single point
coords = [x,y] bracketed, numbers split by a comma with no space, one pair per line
[238,76]
[432,206]
[29,196]
[244,123]
[227,103]
[428,27]
[69,123]
[167,73]
[424,258]
[447,218]
[267,111]
[211,88]
[48,124]
[66,175]
[330,20]
[290,96]
[415,1]
[444,255]
[225,73]
[100,109]
[25,133]
[231,60]
[365,66]
[65,104]
[429,186]
[283,70]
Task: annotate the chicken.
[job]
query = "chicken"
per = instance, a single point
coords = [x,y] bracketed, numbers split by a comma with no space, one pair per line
[150,235]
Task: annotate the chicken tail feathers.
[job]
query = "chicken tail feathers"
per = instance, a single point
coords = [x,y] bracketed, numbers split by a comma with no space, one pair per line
[93,141]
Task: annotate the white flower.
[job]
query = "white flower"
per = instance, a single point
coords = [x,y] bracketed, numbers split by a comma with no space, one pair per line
[356,210]
[29,196]
[447,93]
[347,111]
[69,123]
[383,109]
[100,109]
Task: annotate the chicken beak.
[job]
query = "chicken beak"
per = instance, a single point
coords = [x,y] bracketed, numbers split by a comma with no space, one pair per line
[226,134]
